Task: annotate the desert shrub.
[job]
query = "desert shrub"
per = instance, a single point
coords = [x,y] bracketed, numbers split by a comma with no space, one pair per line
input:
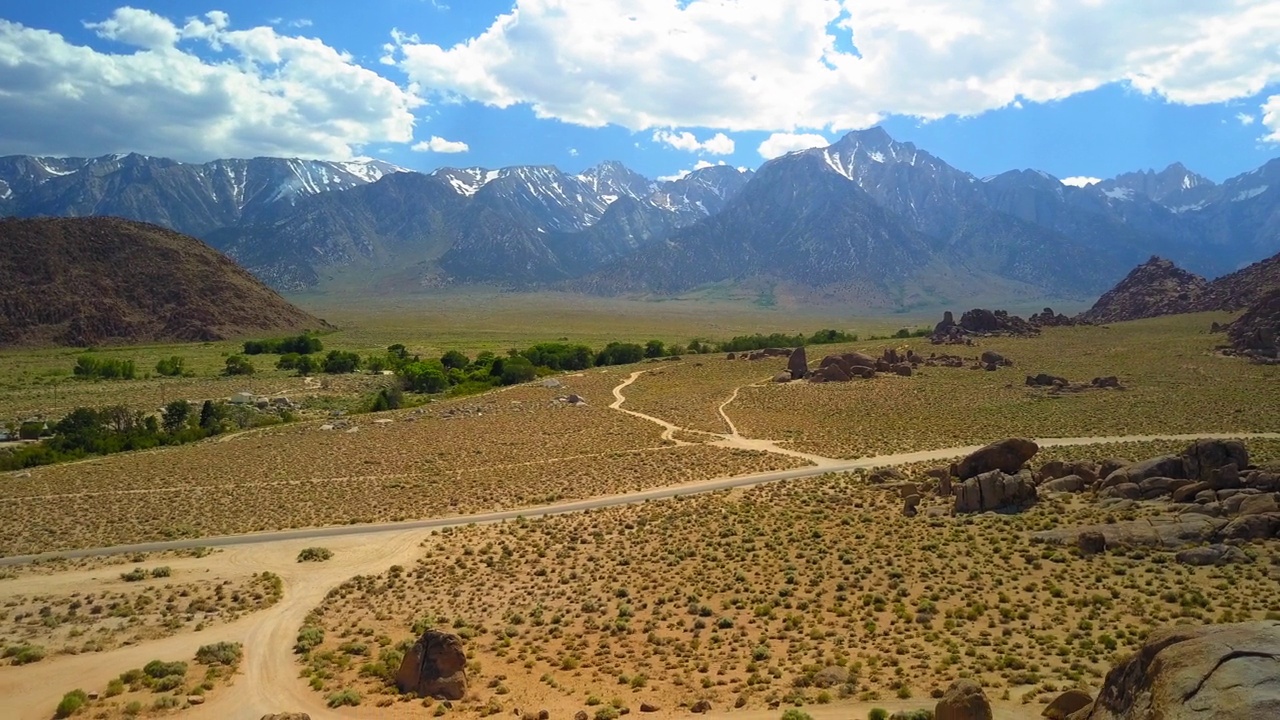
[221,653]
[134,575]
[166,702]
[344,697]
[608,712]
[796,714]
[158,669]
[171,366]
[24,654]
[71,702]
[238,365]
[878,714]
[391,398]
[315,554]
[516,370]
[115,686]
[161,572]
[309,637]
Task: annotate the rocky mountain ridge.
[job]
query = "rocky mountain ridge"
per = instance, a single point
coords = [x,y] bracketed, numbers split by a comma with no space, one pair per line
[865,219]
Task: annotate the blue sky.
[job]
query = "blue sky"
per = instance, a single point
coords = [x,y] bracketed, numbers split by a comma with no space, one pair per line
[1075,89]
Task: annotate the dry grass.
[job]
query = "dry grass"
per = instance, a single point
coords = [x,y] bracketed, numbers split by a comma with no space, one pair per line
[118,612]
[1174,385]
[506,449]
[808,591]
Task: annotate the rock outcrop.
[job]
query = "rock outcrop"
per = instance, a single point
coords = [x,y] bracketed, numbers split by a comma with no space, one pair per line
[1203,457]
[1066,704]
[798,364]
[1047,318]
[435,666]
[995,490]
[1008,455]
[1156,287]
[1256,334]
[964,700]
[1205,672]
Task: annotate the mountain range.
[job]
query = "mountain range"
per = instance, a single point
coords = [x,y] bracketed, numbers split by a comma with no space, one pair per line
[867,219]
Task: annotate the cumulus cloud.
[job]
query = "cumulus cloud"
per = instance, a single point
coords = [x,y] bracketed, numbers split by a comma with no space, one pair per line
[718,144]
[775,66]
[1081,181]
[1245,119]
[1271,118]
[782,143]
[439,145]
[681,174]
[268,94]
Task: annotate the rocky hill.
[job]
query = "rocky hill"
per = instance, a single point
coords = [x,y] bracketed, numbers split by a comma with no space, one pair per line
[1257,332]
[1156,287]
[91,281]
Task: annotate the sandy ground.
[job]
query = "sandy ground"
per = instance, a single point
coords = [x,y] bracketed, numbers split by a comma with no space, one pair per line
[269,679]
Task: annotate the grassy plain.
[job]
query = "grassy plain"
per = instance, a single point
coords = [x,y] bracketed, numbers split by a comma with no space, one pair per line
[812,591]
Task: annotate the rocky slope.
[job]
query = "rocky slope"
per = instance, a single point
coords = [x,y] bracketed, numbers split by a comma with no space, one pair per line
[1156,287]
[94,281]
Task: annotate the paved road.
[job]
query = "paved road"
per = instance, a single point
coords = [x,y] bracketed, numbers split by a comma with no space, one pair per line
[739,481]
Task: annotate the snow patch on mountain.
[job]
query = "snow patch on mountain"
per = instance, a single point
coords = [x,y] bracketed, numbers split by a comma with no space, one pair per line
[1250,193]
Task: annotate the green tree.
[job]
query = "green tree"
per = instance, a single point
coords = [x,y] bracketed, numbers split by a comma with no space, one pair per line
[176,415]
[339,362]
[516,370]
[455,360]
[210,417]
[307,365]
[425,377]
[238,365]
[654,349]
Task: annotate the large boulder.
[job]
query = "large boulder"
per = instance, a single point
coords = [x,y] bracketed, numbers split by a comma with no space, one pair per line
[1164,466]
[1202,457]
[857,359]
[1070,483]
[1067,704]
[435,666]
[798,364]
[1169,533]
[995,490]
[1007,455]
[1212,555]
[964,700]
[1202,672]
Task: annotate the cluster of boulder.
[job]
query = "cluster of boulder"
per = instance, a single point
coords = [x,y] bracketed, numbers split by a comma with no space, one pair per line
[1047,318]
[982,323]
[991,478]
[849,366]
[1184,672]
[1061,384]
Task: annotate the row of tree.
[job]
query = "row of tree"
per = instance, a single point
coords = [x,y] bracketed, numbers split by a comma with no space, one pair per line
[103,431]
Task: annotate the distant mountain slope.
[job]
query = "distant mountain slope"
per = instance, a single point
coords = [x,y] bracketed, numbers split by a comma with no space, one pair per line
[191,198]
[94,281]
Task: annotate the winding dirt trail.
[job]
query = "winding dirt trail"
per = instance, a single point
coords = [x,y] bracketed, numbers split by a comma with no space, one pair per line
[269,679]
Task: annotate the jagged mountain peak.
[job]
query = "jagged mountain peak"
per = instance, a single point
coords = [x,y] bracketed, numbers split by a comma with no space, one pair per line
[1174,187]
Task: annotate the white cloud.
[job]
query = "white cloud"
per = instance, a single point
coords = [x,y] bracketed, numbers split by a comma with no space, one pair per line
[1245,118]
[784,66]
[782,143]
[681,174]
[1271,118]
[1081,181]
[573,152]
[439,145]
[718,144]
[268,94]
[140,28]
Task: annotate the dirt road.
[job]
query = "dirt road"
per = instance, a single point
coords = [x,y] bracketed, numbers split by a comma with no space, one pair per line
[269,681]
